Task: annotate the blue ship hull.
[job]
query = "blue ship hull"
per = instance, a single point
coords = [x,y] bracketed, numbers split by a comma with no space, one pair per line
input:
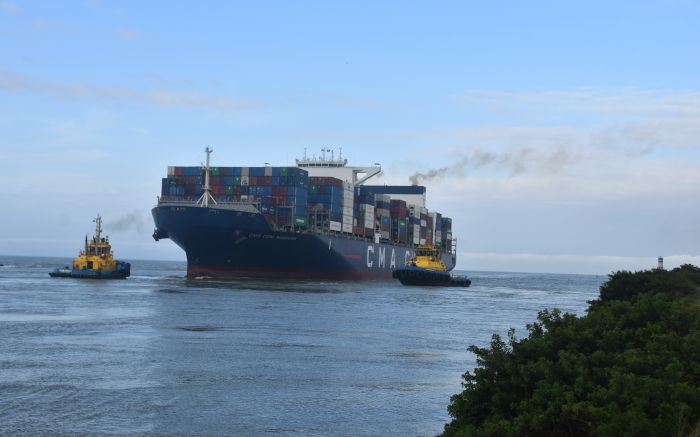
[122,271]
[412,275]
[226,243]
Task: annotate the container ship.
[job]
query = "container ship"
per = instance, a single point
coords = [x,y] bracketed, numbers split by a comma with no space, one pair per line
[316,220]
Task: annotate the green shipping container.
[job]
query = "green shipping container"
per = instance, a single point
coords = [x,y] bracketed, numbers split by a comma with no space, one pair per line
[300,221]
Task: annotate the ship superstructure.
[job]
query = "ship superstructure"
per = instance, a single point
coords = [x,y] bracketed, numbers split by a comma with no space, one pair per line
[318,219]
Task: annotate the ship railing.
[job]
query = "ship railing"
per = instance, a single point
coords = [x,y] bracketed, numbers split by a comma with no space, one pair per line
[219,204]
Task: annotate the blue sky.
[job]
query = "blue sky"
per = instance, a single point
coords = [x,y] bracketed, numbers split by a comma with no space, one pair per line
[568,133]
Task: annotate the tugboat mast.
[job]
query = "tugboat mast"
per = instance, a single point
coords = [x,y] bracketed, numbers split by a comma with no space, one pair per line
[206,190]
[98,228]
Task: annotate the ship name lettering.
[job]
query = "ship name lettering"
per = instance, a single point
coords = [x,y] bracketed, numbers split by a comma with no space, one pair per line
[382,257]
[393,259]
[370,262]
[406,257]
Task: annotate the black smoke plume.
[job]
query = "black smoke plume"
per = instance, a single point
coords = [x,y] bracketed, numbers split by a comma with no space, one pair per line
[514,163]
[133,220]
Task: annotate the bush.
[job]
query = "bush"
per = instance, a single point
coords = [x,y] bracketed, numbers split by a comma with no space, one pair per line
[631,366]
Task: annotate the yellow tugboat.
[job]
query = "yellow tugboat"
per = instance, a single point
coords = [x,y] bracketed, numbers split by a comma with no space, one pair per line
[96,261]
[427,268]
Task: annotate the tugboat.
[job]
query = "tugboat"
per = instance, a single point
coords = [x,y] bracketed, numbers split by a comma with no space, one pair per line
[427,268]
[96,261]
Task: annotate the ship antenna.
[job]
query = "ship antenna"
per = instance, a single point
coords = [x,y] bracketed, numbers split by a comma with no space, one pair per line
[206,195]
[98,227]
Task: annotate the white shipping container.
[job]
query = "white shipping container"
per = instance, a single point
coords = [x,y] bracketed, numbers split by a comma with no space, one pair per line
[364,224]
[416,239]
[367,207]
[385,235]
[335,226]
[438,235]
[244,180]
[449,236]
[244,171]
[423,223]
[347,220]
[268,170]
[416,230]
[422,241]
[347,210]
[347,228]
[171,171]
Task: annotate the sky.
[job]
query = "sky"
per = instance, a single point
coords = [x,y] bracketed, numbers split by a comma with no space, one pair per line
[559,136]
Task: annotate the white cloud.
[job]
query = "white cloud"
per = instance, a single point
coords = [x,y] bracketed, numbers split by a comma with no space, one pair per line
[110,93]
[627,101]
[9,8]
[538,263]
[130,34]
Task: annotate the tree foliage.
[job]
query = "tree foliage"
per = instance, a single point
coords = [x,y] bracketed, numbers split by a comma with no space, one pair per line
[630,366]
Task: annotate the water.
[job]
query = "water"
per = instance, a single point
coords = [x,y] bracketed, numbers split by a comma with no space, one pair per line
[158,354]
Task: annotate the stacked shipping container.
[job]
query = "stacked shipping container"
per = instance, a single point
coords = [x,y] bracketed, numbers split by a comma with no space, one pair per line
[281,191]
[364,210]
[446,233]
[382,215]
[289,197]
[326,202]
[399,222]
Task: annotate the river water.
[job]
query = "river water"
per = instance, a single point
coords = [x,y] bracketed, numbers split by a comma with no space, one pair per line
[157,354]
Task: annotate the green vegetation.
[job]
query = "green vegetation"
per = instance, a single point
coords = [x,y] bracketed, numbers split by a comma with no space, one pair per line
[631,366]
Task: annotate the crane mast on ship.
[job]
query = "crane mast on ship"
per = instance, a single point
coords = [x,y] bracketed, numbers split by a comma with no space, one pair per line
[206,190]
